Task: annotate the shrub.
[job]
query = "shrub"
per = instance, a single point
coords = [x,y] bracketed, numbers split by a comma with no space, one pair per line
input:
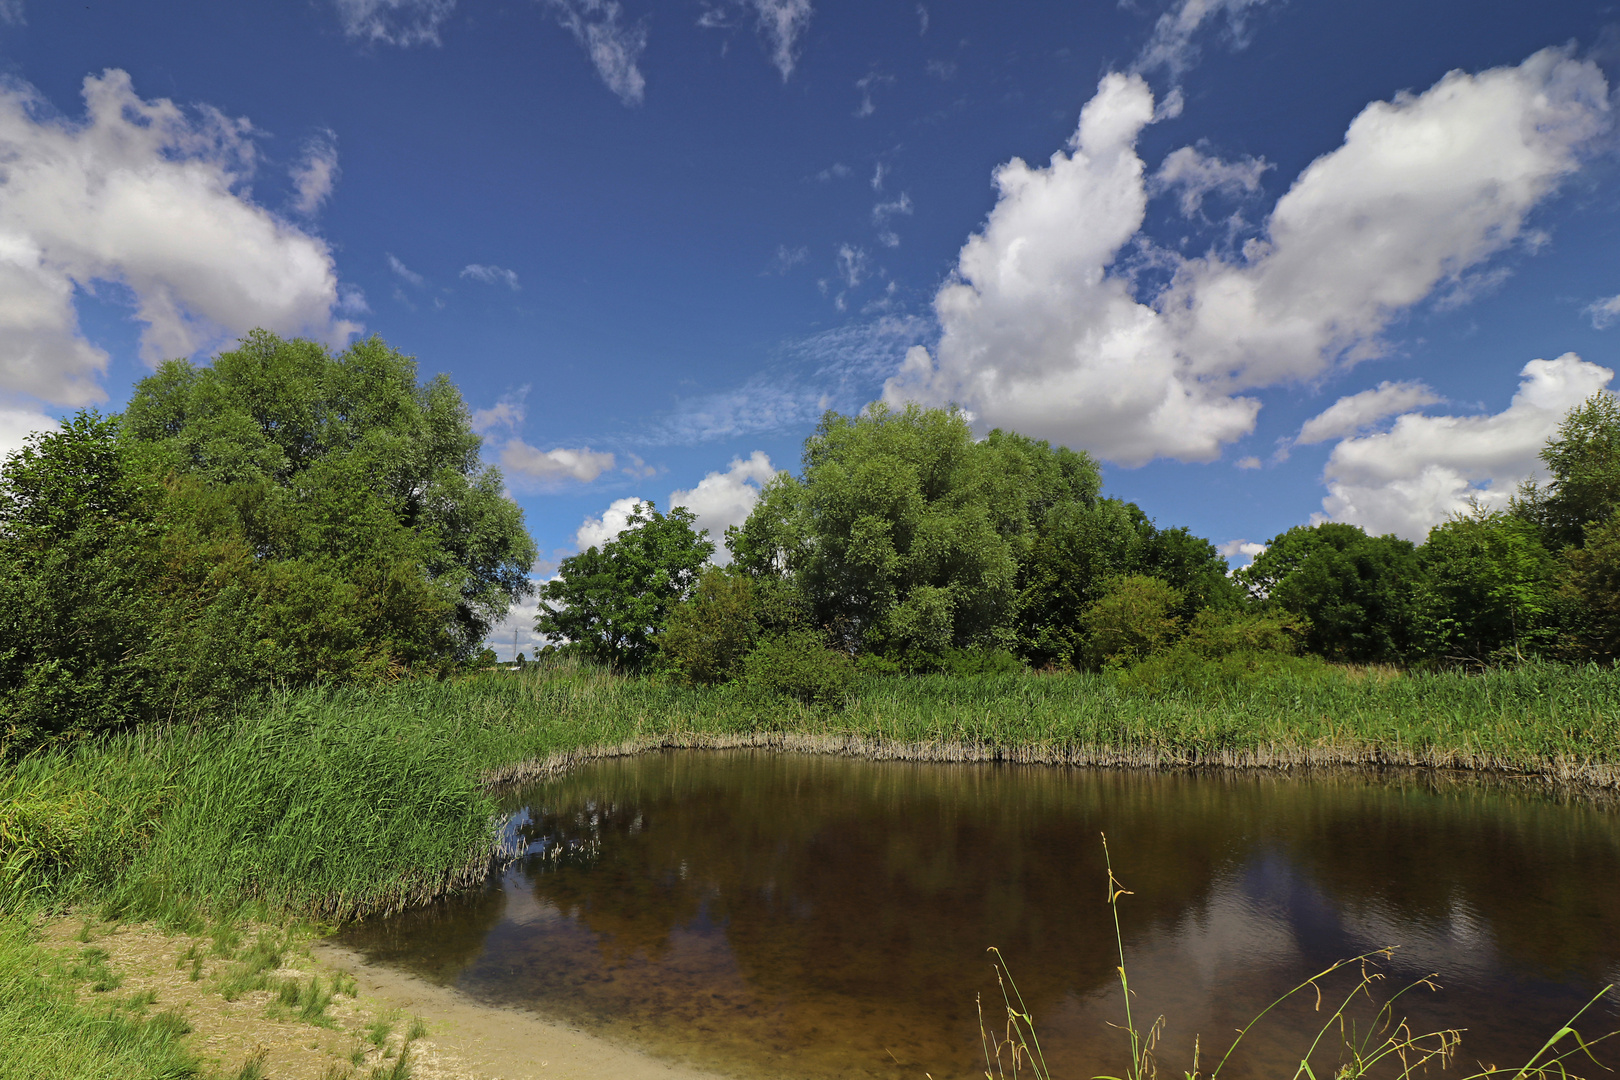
[1215,634]
[706,637]
[1134,618]
[798,664]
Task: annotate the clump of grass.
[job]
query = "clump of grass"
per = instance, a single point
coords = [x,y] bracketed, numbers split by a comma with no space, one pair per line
[92,967]
[381,1027]
[253,1067]
[308,1001]
[252,968]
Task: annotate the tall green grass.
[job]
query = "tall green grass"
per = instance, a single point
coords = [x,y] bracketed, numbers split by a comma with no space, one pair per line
[338,803]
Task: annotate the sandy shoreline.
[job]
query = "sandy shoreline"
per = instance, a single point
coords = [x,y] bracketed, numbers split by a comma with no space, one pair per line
[501,1044]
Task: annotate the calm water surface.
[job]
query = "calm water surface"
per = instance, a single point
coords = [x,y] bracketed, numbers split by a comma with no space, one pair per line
[782,915]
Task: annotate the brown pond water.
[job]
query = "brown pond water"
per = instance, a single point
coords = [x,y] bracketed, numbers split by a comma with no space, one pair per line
[796,916]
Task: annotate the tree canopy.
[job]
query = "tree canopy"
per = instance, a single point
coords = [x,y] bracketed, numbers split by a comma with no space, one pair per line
[904,534]
[284,515]
[610,603]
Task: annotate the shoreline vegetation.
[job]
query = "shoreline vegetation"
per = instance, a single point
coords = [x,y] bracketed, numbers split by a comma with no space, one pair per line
[341,803]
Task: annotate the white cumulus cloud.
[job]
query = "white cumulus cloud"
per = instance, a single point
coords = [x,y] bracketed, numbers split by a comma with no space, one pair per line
[1426,468]
[151,197]
[394,22]
[552,466]
[1042,334]
[1350,414]
[723,499]
[615,48]
[1194,174]
[16,424]
[506,414]
[1244,549]
[719,500]
[596,531]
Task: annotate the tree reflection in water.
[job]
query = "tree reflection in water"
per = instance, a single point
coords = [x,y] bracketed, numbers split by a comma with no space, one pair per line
[818,916]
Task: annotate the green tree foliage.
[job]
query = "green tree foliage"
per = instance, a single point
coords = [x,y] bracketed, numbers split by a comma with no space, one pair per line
[1133,618]
[284,516]
[706,637]
[798,664]
[1584,460]
[1593,583]
[608,603]
[77,554]
[1080,548]
[1356,591]
[1487,590]
[348,469]
[905,536]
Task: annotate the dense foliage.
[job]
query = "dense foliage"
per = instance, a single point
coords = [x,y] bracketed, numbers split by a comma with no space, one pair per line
[912,547]
[608,603]
[284,516]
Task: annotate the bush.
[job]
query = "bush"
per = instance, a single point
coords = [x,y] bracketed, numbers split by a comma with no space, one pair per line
[706,637]
[1181,669]
[1216,634]
[799,665]
[1133,619]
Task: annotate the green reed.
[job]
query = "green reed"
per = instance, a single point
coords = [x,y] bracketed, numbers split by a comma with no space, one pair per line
[336,803]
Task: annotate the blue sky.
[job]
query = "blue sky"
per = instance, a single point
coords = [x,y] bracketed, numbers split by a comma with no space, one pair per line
[1298,260]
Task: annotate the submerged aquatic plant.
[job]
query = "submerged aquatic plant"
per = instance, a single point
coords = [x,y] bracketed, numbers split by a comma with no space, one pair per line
[1388,1041]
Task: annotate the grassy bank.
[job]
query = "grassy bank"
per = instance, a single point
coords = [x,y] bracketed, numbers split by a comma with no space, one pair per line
[340,803]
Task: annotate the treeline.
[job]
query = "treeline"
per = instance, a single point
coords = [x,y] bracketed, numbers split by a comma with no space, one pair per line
[283,516]
[905,545]
[288,516]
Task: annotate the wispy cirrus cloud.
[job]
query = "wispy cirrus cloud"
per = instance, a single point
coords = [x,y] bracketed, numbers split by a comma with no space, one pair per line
[614,46]
[840,369]
[780,25]
[394,22]
[491,275]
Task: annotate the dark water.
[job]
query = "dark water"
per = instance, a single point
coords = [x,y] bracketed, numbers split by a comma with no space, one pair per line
[783,915]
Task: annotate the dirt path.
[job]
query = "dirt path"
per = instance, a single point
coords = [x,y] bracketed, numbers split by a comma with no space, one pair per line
[305,1010]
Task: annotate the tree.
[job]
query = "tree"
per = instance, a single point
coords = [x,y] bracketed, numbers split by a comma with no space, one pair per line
[608,603]
[78,543]
[1487,589]
[904,535]
[1079,549]
[1584,460]
[348,466]
[1593,582]
[1356,591]
[286,515]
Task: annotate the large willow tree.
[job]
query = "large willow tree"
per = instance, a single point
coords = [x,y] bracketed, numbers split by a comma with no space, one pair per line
[284,515]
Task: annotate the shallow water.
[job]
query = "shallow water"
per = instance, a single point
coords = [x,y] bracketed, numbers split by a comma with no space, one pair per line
[783,915]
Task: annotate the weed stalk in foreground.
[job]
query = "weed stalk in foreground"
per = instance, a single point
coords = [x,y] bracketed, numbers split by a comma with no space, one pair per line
[1387,1040]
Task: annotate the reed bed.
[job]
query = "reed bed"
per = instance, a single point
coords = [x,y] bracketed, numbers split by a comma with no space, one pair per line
[343,803]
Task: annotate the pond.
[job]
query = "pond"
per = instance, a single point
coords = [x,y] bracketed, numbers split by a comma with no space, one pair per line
[797,916]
